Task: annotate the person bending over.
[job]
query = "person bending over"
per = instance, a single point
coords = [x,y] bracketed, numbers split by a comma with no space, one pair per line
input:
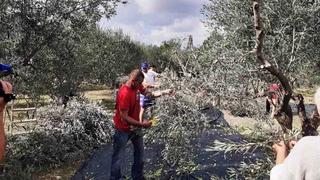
[127,115]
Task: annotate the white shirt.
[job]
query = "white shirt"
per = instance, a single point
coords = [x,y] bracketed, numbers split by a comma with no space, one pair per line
[150,77]
[302,163]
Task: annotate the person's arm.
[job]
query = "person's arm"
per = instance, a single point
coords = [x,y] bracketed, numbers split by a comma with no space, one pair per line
[156,94]
[124,116]
[146,85]
[6,87]
[161,93]
[124,105]
[280,172]
[281,151]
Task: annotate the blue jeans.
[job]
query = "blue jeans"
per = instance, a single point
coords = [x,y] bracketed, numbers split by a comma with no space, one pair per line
[119,143]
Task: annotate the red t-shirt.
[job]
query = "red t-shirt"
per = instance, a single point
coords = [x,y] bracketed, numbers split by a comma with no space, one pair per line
[127,99]
[273,88]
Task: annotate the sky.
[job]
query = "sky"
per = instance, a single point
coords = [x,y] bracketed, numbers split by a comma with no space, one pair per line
[155,21]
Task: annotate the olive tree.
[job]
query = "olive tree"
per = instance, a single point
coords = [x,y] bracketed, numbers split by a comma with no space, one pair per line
[55,46]
[290,28]
[29,26]
[290,55]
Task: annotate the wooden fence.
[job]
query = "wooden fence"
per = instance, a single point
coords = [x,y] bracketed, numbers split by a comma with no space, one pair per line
[17,119]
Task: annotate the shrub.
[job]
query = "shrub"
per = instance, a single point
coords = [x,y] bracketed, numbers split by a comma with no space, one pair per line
[180,121]
[62,134]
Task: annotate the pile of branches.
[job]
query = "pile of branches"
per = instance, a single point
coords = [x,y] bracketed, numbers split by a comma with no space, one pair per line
[62,135]
[180,121]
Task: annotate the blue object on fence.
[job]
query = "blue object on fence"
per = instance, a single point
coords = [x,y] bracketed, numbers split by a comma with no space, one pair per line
[5,68]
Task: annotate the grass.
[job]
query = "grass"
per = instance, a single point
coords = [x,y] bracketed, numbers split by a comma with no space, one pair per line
[97,95]
[307,93]
[91,87]
[64,172]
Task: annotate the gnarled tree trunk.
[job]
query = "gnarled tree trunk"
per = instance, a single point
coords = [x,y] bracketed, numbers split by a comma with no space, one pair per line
[282,111]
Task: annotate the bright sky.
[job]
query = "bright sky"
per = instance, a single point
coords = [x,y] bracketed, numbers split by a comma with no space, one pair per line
[154,21]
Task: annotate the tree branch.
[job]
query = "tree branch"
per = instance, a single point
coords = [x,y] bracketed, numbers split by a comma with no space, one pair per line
[309,126]
[265,64]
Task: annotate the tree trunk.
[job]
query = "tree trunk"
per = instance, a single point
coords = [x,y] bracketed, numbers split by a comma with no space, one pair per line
[282,111]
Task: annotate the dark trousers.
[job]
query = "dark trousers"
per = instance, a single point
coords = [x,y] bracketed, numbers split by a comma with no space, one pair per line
[119,143]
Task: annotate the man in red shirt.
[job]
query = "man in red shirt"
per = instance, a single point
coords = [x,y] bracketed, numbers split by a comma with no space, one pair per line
[126,116]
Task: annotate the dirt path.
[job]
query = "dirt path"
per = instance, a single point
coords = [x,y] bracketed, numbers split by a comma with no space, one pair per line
[106,94]
[238,121]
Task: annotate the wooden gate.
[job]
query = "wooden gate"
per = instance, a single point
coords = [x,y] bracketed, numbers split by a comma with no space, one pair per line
[19,120]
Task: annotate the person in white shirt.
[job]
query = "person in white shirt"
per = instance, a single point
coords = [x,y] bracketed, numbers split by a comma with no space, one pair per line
[149,83]
[153,75]
[302,163]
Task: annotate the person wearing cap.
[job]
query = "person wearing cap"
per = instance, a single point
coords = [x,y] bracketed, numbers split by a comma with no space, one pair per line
[5,69]
[149,83]
[149,74]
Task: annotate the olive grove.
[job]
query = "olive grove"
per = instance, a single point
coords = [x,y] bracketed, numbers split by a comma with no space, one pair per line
[56,46]
[59,42]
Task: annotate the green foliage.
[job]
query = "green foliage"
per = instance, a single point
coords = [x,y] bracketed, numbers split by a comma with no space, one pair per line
[290,27]
[163,56]
[112,54]
[94,58]
[180,122]
[62,135]
[14,172]
[29,26]
[55,46]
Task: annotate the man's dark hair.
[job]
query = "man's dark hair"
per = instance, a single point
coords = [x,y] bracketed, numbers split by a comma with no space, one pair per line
[136,74]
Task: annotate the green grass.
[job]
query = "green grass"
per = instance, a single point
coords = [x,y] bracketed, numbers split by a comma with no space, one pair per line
[96,95]
[64,172]
[92,87]
[308,94]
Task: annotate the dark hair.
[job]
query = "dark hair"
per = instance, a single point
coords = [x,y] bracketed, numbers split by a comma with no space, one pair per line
[136,74]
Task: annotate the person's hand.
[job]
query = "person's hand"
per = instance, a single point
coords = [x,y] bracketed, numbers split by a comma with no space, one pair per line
[148,94]
[156,86]
[146,124]
[167,91]
[279,147]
